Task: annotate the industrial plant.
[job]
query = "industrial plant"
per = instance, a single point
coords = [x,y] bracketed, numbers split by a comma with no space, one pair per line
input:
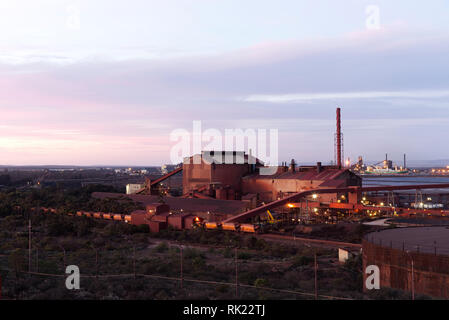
[229,193]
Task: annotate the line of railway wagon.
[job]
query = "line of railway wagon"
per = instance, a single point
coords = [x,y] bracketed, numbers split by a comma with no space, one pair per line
[236,227]
[106,216]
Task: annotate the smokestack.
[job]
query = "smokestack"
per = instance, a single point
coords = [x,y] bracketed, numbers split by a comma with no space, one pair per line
[319,168]
[339,138]
[293,165]
[405,161]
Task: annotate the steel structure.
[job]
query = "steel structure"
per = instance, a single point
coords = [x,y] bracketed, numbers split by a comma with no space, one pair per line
[149,184]
[354,190]
[338,138]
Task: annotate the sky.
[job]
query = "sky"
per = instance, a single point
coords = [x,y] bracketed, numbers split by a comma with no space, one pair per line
[106,82]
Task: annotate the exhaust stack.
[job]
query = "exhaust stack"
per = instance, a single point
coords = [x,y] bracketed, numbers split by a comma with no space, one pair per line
[338,138]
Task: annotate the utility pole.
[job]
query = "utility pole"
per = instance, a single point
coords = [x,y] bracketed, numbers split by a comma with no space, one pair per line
[134,261]
[236,275]
[64,265]
[315,270]
[37,259]
[96,262]
[29,245]
[413,281]
[413,275]
[182,275]
[316,277]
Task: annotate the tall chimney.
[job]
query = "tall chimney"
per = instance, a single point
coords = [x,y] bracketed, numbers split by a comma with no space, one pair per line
[293,165]
[405,161]
[319,168]
[339,137]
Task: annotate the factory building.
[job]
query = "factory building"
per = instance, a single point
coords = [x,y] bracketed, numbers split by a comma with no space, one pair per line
[218,174]
[290,180]
[132,188]
[242,180]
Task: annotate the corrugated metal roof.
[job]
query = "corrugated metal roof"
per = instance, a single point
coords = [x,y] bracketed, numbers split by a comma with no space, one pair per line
[339,183]
[311,174]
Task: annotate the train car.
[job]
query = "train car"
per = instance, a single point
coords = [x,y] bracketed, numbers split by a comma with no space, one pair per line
[107,216]
[97,215]
[249,228]
[79,213]
[212,225]
[128,218]
[87,214]
[229,226]
[118,217]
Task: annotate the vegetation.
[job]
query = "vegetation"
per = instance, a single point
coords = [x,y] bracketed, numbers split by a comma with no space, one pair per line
[105,248]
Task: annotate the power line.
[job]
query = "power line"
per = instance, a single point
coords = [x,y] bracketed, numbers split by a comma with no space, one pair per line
[129,275]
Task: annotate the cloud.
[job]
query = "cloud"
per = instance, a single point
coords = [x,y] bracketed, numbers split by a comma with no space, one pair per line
[132,105]
[420,94]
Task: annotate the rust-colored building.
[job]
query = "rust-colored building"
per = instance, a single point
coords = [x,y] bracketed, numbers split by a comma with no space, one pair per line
[179,221]
[218,172]
[241,178]
[139,217]
[394,250]
[290,180]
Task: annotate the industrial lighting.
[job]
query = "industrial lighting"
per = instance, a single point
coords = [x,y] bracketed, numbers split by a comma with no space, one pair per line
[364,199]
[290,205]
[381,204]
[315,196]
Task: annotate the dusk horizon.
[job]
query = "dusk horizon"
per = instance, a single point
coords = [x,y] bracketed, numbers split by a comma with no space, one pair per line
[79,90]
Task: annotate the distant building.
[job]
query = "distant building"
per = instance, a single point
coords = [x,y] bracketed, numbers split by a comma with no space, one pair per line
[132,188]
[166,168]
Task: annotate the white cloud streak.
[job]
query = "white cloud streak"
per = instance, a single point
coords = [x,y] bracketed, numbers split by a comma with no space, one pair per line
[305,97]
